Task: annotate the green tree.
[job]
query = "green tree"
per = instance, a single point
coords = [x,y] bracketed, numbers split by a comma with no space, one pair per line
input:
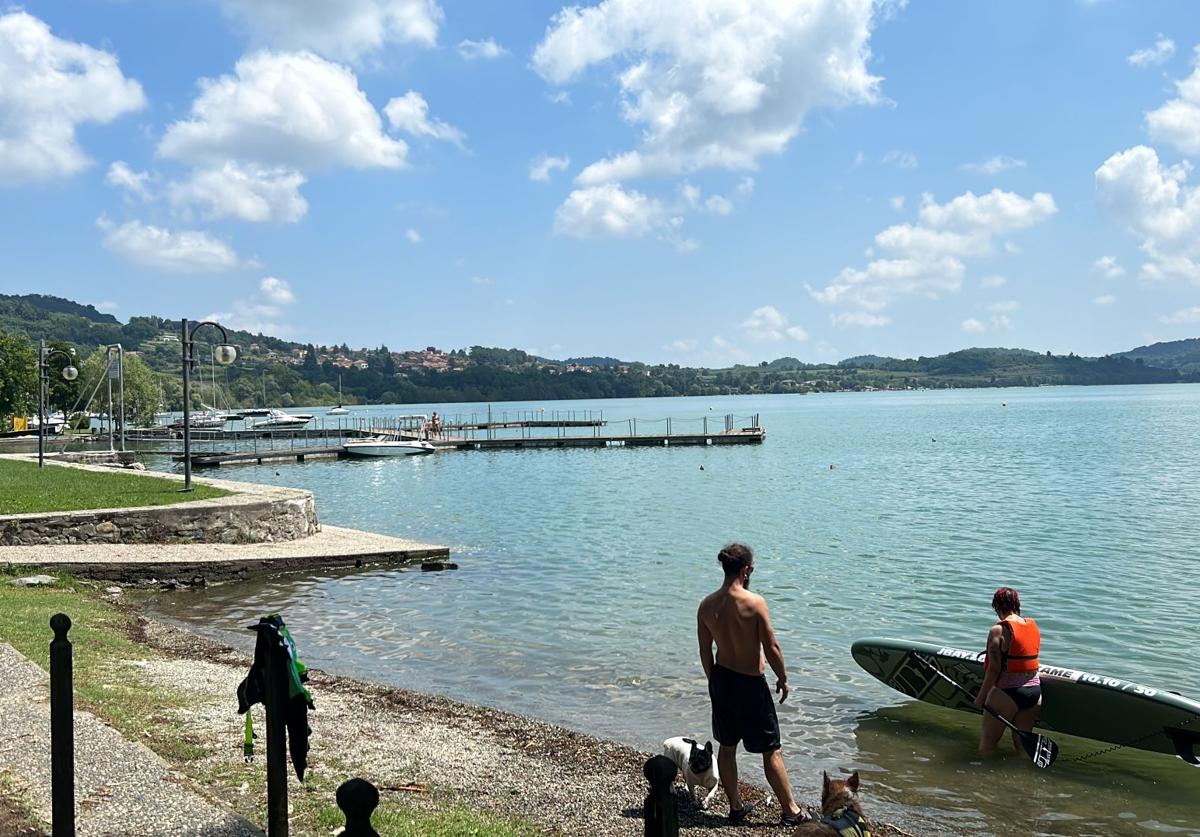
[141,387]
[18,378]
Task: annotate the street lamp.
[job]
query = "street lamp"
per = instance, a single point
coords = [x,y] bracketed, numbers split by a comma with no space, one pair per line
[225,355]
[69,373]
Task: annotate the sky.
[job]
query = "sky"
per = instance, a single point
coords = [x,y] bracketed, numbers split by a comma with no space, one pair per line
[701,182]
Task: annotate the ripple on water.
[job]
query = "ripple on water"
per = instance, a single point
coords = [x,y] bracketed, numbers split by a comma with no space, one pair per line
[581,571]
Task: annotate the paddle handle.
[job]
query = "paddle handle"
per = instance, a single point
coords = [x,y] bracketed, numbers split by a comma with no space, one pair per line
[947,678]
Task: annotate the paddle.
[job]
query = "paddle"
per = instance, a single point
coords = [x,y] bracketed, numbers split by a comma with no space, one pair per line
[1041,749]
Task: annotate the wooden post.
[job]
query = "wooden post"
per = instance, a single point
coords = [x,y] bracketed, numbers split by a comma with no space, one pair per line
[275,678]
[358,799]
[62,729]
[659,810]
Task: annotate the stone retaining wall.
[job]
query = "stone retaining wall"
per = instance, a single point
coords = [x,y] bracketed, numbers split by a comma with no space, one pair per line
[255,514]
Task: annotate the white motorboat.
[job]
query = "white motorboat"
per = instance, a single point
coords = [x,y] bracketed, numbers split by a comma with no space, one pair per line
[388,447]
[279,420]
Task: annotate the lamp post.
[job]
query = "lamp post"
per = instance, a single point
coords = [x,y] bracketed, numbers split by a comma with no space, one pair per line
[225,355]
[69,373]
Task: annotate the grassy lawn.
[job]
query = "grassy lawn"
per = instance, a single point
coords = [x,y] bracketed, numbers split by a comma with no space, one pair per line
[23,488]
[107,685]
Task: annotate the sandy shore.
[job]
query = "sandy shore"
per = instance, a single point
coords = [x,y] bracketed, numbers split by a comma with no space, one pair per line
[563,781]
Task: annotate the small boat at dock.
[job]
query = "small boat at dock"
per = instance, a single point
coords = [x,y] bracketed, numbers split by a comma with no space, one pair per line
[388,447]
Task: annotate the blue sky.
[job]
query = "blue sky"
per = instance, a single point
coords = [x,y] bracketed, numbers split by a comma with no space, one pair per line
[671,181]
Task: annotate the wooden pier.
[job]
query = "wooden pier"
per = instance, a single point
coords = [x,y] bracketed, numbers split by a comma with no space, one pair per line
[300,445]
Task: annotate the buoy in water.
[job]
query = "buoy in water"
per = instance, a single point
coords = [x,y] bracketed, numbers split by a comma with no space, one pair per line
[1003,403]
[831,467]
[701,467]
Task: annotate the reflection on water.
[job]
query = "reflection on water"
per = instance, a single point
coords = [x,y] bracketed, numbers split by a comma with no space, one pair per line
[581,570]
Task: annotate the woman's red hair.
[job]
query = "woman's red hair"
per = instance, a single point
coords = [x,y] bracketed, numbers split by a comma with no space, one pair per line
[1006,600]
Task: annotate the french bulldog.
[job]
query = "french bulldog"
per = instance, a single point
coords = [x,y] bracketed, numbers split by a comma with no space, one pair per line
[696,763]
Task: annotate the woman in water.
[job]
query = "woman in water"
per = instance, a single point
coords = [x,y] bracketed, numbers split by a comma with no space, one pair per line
[1011,685]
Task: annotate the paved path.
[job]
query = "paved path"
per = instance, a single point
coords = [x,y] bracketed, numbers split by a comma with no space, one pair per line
[330,548]
[121,788]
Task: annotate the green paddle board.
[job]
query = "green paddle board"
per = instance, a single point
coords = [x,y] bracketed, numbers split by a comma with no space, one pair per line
[1073,702]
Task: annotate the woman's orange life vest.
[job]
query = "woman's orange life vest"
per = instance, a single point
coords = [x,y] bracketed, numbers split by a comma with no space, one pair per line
[1024,642]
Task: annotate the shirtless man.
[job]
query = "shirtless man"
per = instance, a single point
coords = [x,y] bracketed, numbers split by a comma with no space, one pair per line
[742,707]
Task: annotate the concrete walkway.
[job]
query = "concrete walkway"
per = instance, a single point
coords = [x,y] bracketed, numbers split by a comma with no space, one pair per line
[198,563]
[121,788]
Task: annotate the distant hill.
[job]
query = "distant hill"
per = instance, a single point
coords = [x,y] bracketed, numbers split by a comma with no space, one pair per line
[58,305]
[598,362]
[1183,355]
[285,373]
[871,361]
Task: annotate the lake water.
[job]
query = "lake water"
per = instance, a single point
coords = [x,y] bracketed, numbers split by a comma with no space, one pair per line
[581,571]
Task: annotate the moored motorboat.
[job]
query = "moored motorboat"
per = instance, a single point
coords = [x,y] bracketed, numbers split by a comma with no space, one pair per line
[388,447]
[278,419]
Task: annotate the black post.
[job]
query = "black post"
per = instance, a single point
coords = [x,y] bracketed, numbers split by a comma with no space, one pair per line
[62,729]
[358,799]
[187,406]
[42,403]
[659,811]
[275,678]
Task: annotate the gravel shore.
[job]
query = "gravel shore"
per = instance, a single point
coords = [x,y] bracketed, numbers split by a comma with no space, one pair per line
[566,782]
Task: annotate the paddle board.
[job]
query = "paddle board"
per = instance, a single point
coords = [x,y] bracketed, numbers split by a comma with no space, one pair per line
[1073,702]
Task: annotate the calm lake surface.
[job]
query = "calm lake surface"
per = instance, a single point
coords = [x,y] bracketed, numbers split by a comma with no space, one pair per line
[581,571]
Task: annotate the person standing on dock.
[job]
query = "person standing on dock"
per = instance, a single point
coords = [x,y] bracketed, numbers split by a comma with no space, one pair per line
[742,706]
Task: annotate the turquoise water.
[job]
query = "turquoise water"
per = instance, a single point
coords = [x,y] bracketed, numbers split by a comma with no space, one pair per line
[581,570]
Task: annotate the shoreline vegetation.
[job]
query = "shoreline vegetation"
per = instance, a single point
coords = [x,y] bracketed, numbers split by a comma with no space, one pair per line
[443,767]
[23,490]
[279,373]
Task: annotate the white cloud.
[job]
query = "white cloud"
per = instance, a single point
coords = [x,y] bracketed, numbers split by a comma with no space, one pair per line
[248,192]
[1153,203]
[1004,307]
[410,113]
[343,30]
[716,84]
[486,49]
[768,324]
[276,290]
[185,250]
[48,88]
[995,165]
[482,280]
[1001,321]
[745,186]
[927,258]
[1106,299]
[1152,56]
[859,318]
[1178,120]
[135,182]
[683,345]
[262,314]
[993,282]
[900,159]
[1185,316]
[291,110]
[973,326]
[107,307]
[1108,268]
[897,202]
[541,168]
[607,211]
[718,205]
[412,235]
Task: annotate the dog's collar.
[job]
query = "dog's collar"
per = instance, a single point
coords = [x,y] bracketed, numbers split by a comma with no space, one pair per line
[847,822]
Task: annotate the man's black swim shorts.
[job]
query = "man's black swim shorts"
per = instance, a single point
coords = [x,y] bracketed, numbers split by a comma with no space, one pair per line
[743,710]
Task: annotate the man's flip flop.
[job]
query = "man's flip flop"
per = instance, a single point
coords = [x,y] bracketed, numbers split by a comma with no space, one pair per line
[805,814]
[737,817]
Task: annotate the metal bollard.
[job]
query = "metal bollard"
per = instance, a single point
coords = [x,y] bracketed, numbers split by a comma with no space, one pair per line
[62,730]
[358,799]
[659,812]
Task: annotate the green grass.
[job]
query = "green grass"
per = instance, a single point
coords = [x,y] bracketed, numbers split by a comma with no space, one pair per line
[109,687]
[26,488]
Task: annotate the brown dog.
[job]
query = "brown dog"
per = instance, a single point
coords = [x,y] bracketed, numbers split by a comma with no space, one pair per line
[841,813]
